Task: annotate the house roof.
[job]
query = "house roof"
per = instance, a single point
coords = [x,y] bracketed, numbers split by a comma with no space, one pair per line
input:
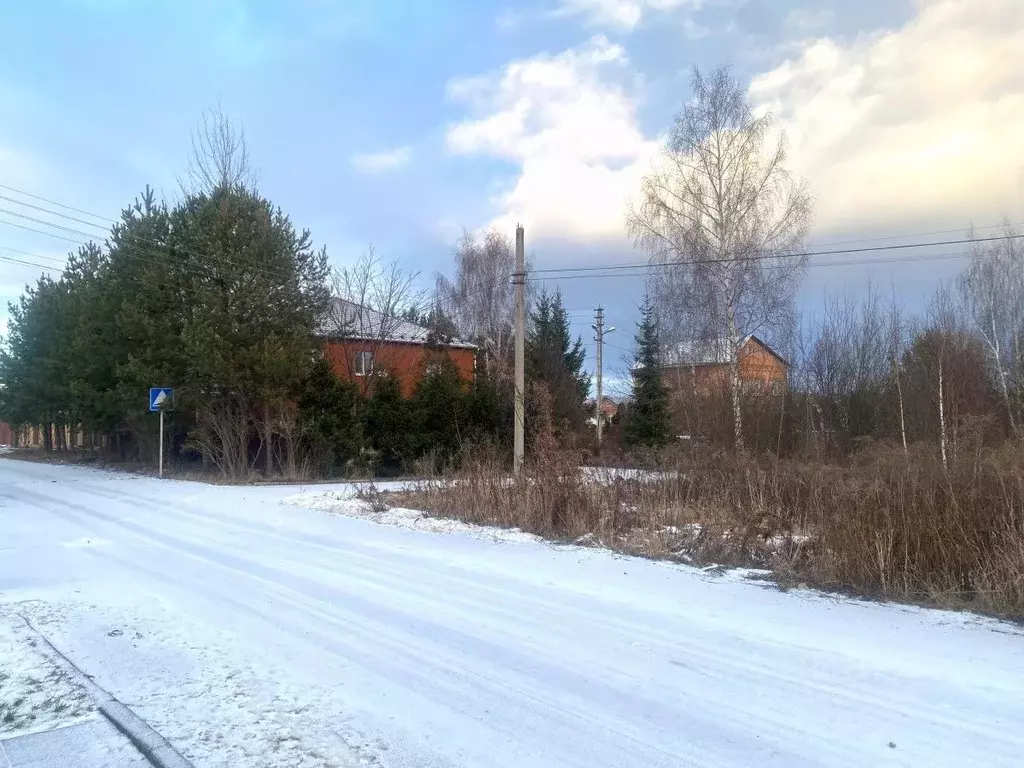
[348,320]
[708,352]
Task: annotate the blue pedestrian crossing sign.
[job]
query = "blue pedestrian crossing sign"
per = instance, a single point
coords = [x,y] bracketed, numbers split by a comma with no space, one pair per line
[160,398]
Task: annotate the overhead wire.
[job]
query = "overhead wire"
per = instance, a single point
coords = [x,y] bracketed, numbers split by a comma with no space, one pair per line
[845,263]
[819,245]
[886,238]
[639,269]
[13,260]
[776,257]
[172,252]
[146,255]
[52,202]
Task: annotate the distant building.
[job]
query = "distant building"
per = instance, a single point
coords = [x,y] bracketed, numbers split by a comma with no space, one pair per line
[703,367]
[609,409]
[361,343]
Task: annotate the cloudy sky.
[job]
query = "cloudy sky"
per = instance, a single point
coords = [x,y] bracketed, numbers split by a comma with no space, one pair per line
[401,123]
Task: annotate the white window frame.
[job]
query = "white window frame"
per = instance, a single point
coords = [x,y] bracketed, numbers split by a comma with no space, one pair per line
[363,364]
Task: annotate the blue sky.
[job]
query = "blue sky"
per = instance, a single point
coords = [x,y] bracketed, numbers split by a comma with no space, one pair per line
[400,123]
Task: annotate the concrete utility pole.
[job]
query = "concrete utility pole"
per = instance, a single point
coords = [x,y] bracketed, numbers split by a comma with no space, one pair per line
[519,279]
[599,334]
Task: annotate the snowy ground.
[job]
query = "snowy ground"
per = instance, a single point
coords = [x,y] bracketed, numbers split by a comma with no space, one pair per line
[35,694]
[254,632]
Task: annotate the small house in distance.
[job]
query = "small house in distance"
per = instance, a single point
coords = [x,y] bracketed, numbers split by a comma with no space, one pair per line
[703,367]
[361,343]
[609,408]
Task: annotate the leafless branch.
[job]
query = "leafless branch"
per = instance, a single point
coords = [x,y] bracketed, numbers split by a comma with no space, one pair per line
[721,194]
[219,157]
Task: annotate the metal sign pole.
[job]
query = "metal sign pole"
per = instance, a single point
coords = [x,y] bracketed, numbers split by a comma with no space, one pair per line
[161,442]
[160,399]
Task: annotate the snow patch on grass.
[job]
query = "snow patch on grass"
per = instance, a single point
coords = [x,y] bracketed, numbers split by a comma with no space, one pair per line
[608,475]
[35,694]
[342,503]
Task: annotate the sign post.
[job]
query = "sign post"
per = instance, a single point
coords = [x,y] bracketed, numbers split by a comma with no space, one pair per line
[161,442]
[160,400]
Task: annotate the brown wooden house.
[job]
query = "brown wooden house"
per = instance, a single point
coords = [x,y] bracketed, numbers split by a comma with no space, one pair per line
[361,343]
[703,367]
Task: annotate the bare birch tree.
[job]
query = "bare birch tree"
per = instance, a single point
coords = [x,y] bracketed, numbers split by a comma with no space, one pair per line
[895,350]
[992,287]
[945,322]
[370,298]
[219,157]
[481,297]
[722,208]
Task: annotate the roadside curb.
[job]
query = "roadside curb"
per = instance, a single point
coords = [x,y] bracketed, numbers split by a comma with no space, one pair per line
[154,747]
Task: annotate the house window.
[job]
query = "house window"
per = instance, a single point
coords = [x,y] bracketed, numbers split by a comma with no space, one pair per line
[433,368]
[364,363]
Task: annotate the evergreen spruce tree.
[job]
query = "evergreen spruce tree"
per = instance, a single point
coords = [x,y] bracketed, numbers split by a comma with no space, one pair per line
[556,361]
[329,412]
[489,412]
[437,411]
[386,425]
[647,421]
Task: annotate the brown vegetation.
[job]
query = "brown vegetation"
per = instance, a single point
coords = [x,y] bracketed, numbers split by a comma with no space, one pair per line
[884,524]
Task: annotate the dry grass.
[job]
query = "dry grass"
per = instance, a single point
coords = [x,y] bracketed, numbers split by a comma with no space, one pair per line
[887,524]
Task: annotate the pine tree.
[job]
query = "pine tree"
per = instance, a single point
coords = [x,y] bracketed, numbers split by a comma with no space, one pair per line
[329,412]
[437,411]
[489,408]
[647,422]
[554,360]
[387,425]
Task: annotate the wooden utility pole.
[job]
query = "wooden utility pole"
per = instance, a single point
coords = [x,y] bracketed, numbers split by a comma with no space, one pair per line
[519,278]
[599,338]
[599,333]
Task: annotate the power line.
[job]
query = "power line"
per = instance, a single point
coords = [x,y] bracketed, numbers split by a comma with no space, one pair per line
[162,281]
[171,254]
[873,249]
[52,213]
[828,244]
[32,255]
[1012,225]
[139,253]
[847,263]
[138,256]
[174,252]
[52,202]
[13,260]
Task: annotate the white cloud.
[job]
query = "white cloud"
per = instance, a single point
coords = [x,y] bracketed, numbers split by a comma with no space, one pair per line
[383,161]
[618,14]
[805,19]
[919,124]
[573,132]
[912,128]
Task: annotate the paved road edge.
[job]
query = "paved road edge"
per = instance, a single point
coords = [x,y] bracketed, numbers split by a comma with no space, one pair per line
[141,734]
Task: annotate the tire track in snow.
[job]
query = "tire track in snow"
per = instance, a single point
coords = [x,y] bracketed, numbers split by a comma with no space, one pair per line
[538,615]
[712,653]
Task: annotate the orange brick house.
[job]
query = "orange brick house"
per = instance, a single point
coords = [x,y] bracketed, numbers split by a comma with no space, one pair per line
[361,343]
[703,367]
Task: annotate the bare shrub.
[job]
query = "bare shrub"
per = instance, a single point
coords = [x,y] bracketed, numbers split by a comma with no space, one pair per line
[374,496]
[221,433]
[890,524]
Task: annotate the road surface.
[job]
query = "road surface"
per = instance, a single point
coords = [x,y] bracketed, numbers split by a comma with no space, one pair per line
[252,632]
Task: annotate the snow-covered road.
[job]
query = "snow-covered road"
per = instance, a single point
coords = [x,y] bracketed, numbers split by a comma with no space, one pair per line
[251,632]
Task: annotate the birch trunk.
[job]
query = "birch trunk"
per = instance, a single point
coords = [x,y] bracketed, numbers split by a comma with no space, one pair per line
[899,397]
[942,419]
[734,379]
